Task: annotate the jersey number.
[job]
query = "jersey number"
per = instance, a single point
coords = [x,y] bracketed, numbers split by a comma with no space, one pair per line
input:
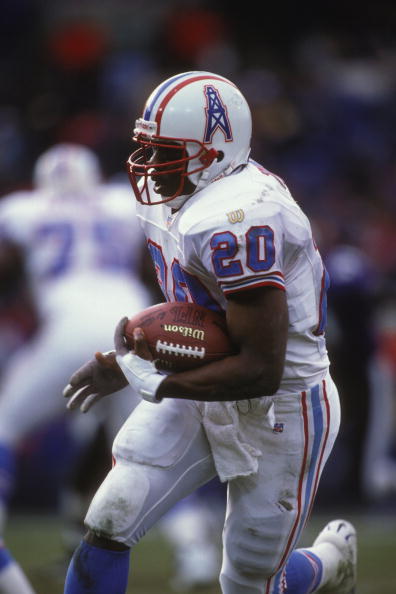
[260,256]
[60,241]
[260,251]
[185,286]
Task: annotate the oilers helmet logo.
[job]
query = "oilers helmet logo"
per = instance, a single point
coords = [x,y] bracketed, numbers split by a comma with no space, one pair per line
[216,115]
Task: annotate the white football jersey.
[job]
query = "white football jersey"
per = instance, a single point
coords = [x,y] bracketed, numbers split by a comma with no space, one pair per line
[245,231]
[77,246]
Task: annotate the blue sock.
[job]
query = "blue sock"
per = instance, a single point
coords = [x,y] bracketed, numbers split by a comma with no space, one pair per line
[97,571]
[7,471]
[5,557]
[303,572]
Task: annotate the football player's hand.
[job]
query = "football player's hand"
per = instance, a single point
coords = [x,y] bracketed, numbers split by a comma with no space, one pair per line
[137,365]
[95,379]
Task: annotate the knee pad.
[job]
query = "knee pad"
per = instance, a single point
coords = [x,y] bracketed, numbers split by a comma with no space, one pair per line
[118,502]
[157,446]
[253,545]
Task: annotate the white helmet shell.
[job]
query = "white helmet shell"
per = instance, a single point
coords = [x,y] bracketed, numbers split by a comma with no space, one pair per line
[66,168]
[205,108]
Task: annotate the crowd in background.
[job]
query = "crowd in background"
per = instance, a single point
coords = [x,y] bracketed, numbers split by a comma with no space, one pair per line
[323,98]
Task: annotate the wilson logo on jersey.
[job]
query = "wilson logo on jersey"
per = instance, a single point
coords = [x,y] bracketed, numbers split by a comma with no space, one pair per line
[236,216]
[185,331]
[216,115]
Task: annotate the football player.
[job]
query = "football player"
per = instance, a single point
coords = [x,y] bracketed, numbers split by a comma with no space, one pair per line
[225,233]
[82,250]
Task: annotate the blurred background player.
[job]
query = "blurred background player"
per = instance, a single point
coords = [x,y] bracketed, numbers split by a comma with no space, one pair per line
[81,251]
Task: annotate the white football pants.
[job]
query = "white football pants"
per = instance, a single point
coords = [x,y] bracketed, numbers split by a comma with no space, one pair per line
[162,454]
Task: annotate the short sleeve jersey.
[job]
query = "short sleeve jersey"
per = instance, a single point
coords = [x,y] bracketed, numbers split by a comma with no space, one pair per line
[245,231]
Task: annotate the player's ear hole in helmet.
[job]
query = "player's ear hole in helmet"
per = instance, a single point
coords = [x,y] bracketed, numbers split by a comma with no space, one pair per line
[205,120]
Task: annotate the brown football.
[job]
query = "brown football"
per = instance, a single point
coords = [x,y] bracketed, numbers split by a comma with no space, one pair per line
[182,335]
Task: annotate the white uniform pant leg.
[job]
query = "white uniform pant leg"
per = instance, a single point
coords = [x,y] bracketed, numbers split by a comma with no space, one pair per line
[161,455]
[266,513]
[31,390]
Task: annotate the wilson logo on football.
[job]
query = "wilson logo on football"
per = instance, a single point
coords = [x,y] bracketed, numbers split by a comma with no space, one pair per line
[185,331]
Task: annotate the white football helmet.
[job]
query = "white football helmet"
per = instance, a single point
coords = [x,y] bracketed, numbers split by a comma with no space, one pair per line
[66,168]
[206,116]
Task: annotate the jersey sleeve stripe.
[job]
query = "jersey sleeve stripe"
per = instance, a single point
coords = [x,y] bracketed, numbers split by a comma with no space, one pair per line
[272,280]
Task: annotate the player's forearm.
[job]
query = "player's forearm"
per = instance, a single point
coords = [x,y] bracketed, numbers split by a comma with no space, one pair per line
[231,378]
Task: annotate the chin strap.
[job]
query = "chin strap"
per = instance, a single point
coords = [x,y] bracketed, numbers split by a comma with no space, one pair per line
[208,157]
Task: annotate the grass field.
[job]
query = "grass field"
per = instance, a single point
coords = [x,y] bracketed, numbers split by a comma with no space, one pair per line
[35,541]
